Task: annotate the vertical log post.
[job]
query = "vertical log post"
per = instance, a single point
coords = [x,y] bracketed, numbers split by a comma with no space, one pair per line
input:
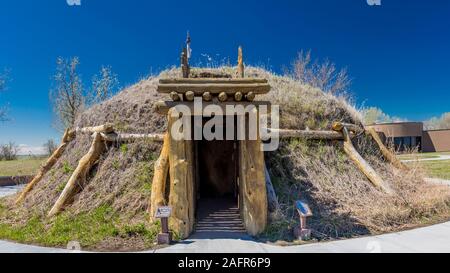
[252,186]
[191,187]
[272,199]
[240,67]
[181,198]
[185,69]
[385,151]
[158,195]
[68,136]
[80,173]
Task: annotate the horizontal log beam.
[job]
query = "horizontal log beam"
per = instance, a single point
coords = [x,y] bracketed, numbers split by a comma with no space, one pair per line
[212,80]
[105,128]
[114,137]
[162,107]
[339,126]
[214,88]
[308,134]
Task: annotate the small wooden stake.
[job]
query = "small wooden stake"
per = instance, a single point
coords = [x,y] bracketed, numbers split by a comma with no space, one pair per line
[238,96]
[250,96]
[207,96]
[174,96]
[223,97]
[189,95]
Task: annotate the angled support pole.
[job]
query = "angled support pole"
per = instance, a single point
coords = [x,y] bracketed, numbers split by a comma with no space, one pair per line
[362,164]
[161,173]
[390,156]
[68,136]
[80,173]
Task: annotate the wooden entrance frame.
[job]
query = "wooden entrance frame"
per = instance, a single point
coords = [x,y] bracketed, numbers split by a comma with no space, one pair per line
[182,167]
[183,183]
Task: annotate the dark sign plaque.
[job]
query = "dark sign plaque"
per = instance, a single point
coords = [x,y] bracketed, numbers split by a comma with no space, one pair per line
[163,213]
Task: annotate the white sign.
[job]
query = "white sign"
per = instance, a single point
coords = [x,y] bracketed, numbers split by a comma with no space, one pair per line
[163,212]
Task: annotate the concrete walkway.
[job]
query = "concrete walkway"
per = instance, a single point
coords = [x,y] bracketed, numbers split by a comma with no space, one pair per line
[439,158]
[437,181]
[428,239]
[9,190]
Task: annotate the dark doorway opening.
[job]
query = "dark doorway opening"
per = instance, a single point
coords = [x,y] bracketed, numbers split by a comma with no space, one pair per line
[218,214]
[217,168]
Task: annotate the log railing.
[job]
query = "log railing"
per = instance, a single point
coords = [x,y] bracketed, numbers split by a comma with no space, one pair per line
[106,134]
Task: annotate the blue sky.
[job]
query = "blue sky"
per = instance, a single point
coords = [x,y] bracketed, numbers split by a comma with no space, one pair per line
[398,54]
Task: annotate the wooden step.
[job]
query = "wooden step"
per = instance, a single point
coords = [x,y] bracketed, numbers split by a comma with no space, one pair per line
[218,218]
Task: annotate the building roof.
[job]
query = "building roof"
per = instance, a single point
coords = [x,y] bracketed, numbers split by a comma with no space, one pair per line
[393,123]
[436,130]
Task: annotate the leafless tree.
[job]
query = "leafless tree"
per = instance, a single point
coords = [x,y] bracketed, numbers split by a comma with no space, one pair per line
[323,75]
[67,95]
[50,146]
[104,85]
[373,115]
[436,123]
[9,151]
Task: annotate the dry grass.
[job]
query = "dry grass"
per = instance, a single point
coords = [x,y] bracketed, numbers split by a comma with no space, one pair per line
[118,188]
[21,166]
[344,202]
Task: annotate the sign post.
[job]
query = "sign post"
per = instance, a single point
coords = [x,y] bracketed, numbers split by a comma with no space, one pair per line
[163,213]
[302,232]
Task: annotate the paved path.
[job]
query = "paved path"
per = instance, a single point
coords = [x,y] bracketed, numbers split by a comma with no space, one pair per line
[9,247]
[9,190]
[438,158]
[437,181]
[428,239]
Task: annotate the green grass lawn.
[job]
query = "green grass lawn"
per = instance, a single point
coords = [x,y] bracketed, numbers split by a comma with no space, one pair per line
[421,155]
[436,168]
[21,166]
